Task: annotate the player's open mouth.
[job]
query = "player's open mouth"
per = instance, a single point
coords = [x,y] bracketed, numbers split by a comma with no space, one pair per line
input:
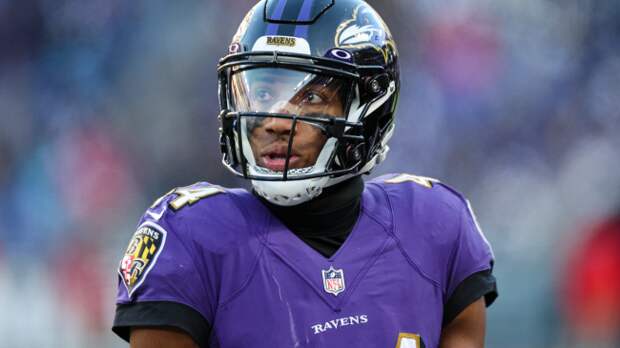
[276,160]
[277,163]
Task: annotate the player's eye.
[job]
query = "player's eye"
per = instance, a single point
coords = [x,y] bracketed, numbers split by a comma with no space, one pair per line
[262,95]
[313,98]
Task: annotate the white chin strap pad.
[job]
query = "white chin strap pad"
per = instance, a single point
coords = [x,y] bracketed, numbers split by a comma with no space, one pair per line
[289,193]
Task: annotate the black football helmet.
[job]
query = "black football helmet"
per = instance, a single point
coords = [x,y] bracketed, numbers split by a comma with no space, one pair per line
[339,49]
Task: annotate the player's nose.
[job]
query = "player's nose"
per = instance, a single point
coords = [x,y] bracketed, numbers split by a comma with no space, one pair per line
[280,125]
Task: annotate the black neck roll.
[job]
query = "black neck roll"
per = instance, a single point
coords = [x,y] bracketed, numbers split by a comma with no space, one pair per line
[333,213]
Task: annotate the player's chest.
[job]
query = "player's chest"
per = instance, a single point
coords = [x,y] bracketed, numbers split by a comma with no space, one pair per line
[366,295]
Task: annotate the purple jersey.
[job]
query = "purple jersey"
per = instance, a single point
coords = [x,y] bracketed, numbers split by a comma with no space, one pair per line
[222,253]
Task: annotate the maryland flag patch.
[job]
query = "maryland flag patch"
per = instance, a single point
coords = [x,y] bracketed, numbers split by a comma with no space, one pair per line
[140,256]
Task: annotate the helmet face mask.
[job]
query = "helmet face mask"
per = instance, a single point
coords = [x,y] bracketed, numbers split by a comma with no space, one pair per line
[302,113]
[292,111]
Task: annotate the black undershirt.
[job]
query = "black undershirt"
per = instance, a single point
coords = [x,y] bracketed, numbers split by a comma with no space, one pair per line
[326,221]
[323,223]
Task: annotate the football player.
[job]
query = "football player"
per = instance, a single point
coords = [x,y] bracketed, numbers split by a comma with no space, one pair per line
[313,256]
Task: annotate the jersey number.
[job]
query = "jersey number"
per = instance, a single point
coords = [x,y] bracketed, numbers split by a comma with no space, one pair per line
[420,180]
[188,195]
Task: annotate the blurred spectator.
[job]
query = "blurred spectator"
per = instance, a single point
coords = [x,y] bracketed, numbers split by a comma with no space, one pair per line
[80,285]
[591,286]
[93,175]
[463,53]
[21,32]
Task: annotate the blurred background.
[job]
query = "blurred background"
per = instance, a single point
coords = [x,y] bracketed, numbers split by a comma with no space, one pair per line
[106,104]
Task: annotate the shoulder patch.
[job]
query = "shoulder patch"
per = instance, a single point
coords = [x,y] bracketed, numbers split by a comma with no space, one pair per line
[145,246]
[420,180]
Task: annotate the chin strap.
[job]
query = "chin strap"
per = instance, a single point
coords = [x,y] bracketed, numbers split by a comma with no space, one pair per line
[289,193]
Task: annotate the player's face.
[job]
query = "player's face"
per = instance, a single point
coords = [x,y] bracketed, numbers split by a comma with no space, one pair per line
[290,93]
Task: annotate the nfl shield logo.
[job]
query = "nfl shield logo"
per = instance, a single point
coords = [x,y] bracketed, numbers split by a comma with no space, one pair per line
[333,280]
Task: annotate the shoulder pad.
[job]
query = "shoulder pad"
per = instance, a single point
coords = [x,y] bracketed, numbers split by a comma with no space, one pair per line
[202,228]
[430,189]
[211,210]
[426,218]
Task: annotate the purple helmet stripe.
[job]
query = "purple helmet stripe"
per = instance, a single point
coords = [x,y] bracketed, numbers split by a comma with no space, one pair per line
[304,15]
[272,28]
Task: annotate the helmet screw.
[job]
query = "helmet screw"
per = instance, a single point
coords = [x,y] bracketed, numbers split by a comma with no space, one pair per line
[375,87]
